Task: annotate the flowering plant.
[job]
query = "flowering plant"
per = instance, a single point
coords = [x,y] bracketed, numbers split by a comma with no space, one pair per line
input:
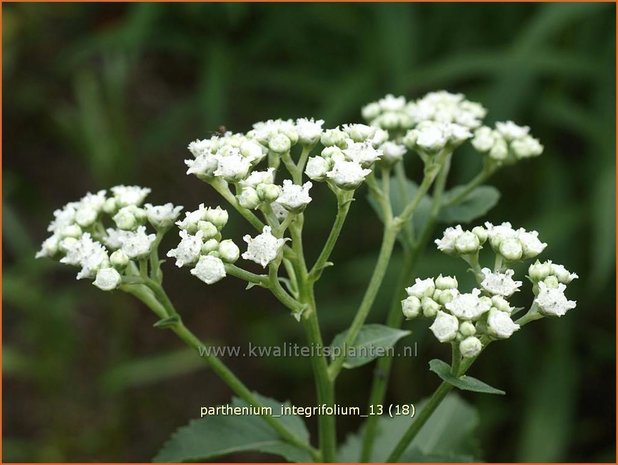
[267,176]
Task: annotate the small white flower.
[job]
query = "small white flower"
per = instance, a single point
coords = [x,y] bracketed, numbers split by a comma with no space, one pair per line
[431,137]
[392,152]
[248,198]
[138,244]
[294,197]
[63,217]
[92,259]
[530,242]
[203,165]
[130,195]
[107,279]
[484,139]
[362,153]
[316,168]
[202,147]
[422,288]
[49,248]
[445,327]
[209,269]
[563,275]
[126,218]
[446,282]
[552,301]
[162,216]
[411,307]
[93,201]
[309,130]
[347,174]
[469,306]
[511,131]
[470,347]
[188,249]
[391,103]
[217,216]
[499,283]
[113,239]
[259,177]
[359,132]
[252,150]
[511,249]
[280,213]
[119,259]
[86,216]
[449,238]
[262,248]
[192,218]
[233,166]
[500,324]
[467,243]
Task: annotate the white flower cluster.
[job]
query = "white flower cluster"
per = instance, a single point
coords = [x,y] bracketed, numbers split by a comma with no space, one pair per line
[79,236]
[471,319]
[431,137]
[394,113]
[511,244]
[201,244]
[506,143]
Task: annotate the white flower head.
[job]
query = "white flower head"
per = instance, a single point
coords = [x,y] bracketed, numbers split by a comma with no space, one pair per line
[511,131]
[309,130]
[392,152]
[192,218]
[422,288]
[162,216]
[107,279]
[469,306]
[49,248]
[232,166]
[347,174]
[470,347]
[129,195]
[259,177]
[202,165]
[63,217]
[359,132]
[445,107]
[500,324]
[530,242]
[114,237]
[262,248]
[203,147]
[447,243]
[209,269]
[562,274]
[499,283]
[445,327]
[137,244]
[552,301]
[188,249]
[294,197]
[362,153]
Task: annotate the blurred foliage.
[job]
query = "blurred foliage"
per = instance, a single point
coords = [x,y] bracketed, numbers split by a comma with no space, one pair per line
[112,93]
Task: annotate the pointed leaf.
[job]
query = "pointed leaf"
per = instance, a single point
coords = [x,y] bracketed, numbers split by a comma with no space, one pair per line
[474,205]
[372,342]
[466,383]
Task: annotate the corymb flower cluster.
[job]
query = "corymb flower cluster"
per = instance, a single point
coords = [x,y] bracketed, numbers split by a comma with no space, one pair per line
[105,235]
[473,319]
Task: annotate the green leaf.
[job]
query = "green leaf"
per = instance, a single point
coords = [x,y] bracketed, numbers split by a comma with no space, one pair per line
[167,322]
[448,436]
[215,436]
[466,383]
[474,205]
[372,342]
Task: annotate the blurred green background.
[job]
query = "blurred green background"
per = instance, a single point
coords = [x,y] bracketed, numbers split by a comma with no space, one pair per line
[101,94]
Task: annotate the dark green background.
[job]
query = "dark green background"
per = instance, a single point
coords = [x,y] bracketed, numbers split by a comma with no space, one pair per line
[96,95]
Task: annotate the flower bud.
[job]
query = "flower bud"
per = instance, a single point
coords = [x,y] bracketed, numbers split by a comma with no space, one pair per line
[422,288]
[107,279]
[125,219]
[466,328]
[446,282]
[217,216]
[445,327]
[481,233]
[447,296]
[539,271]
[470,347]
[551,282]
[248,198]
[119,259]
[501,304]
[228,251]
[467,243]
[252,150]
[430,307]
[71,230]
[280,143]
[511,249]
[110,206]
[371,111]
[316,168]
[268,192]
[210,246]
[411,307]
[85,216]
[208,229]
[332,152]
[333,137]
[562,274]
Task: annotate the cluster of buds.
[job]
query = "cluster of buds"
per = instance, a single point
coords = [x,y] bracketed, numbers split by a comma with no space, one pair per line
[394,113]
[507,143]
[484,314]
[509,243]
[201,244]
[80,236]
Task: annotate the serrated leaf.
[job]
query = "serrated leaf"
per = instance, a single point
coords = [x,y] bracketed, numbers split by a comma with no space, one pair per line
[216,436]
[466,383]
[448,436]
[372,342]
[476,204]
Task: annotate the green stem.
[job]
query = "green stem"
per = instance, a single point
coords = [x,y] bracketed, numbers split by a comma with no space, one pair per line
[222,188]
[147,296]
[419,421]
[486,172]
[302,161]
[344,200]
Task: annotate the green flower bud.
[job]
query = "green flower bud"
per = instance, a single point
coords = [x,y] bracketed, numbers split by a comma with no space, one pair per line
[466,328]
[447,296]
[210,230]
[511,249]
[411,307]
[248,198]
[228,251]
[470,347]
[110,206]
[333,137]
[430,307]
[481,233]
[280,143]
[551,282]
[467,243]
[217,216]
[119,259]
[501,304]
[268,192]
[71,230]
[446,282]
[210,246]
[539,271]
